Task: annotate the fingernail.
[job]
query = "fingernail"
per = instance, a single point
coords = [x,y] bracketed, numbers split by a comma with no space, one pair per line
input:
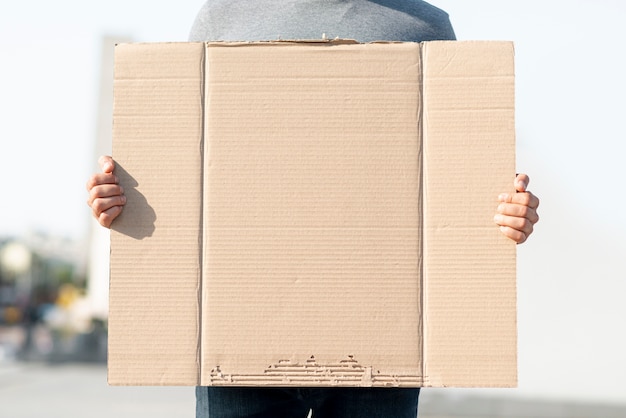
[123,199]
[121,190]
[503,197]
[107,168]
[498,219]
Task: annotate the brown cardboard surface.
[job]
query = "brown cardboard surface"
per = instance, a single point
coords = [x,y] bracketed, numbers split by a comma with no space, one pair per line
[313,214]
[469,270]
[154,306]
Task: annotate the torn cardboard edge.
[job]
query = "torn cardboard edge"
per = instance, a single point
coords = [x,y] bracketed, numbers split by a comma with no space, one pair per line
[146,349]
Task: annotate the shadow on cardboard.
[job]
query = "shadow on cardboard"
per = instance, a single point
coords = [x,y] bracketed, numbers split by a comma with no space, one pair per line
[137,220]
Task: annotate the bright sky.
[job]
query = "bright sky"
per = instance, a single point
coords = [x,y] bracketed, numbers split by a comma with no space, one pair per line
[571,141]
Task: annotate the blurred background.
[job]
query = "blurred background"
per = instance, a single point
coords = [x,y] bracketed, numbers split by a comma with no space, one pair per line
[55,105]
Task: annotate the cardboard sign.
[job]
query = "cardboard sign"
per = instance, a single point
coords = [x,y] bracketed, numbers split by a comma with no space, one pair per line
[313,214]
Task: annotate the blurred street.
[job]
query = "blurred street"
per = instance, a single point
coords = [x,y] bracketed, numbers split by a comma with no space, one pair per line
[78,390]
[72,390]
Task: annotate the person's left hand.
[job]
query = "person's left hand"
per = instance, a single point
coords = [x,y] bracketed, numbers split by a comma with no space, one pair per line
[517,213]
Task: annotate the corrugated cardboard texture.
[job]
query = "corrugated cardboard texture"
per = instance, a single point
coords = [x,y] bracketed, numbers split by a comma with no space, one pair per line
[312,212]
[469,269]
[155,244]
[330,205]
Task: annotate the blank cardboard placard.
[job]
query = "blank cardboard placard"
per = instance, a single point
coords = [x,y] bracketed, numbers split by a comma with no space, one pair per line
[313,214]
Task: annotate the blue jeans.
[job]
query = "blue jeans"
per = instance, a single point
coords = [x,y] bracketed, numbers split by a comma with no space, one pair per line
[240,402]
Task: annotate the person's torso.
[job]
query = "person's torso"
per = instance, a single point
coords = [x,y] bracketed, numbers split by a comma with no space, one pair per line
[362,20]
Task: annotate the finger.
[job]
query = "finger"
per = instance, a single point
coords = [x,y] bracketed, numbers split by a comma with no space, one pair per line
[517,236]
[107,217]
[522,225]
[106,164]
[102,178]
[521,182]
[100,205]
[525,199]
[519,211]
[104,191]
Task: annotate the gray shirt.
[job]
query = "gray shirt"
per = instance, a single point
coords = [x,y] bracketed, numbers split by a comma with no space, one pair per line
[362,20]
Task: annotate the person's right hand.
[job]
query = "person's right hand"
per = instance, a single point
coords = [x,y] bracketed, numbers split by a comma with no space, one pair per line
[106,196]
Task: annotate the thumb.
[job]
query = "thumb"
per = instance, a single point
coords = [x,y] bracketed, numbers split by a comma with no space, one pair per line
[106,164]
[521,182]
